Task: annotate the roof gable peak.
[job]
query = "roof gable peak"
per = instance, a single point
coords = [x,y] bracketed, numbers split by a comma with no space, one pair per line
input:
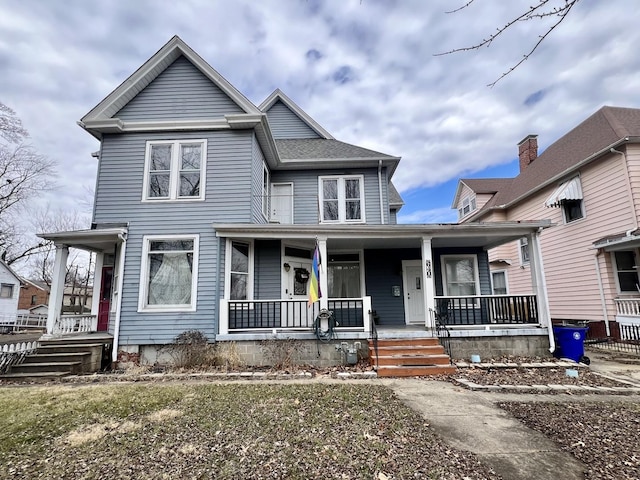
[152,68]
[278,95]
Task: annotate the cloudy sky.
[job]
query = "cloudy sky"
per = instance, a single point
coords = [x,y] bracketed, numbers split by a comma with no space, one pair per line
[364,69]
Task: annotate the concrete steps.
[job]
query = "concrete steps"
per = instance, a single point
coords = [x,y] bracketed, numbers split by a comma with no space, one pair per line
[409,357]
[59,357]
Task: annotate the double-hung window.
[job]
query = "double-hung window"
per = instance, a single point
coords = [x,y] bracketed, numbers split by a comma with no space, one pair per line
[342,199]
[468,206]
[168,280]
[523,245]
[460,275]
[343,275]
[6,290]
[175,170]
[627,270]
[239,281]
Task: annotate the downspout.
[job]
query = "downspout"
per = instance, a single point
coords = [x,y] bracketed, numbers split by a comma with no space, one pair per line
[116,330]
[380,192]
[601,289]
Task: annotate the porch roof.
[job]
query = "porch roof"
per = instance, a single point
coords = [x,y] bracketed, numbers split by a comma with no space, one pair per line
[97,240]
[485,235]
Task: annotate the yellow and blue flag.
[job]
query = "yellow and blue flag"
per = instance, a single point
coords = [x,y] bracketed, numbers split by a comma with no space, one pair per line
[314,287]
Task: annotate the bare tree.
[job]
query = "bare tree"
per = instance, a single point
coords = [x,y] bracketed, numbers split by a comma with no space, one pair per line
[543,9]
[23,174]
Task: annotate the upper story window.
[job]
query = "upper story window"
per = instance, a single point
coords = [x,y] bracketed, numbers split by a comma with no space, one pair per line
[6,290]
[175,170]
[168,279]
[468,205]
[342,199]
[568,196]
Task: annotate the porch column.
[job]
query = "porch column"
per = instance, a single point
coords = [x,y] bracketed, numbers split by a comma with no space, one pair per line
[57,286]
[539,284]
[429,283]
[97,284]
[324,282]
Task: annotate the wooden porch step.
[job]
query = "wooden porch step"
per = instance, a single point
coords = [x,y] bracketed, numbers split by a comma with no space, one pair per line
[83,357]
[414,370]
[396,342]
[407,350]
[42,376]
[36,368]
[413,360]
[67,347]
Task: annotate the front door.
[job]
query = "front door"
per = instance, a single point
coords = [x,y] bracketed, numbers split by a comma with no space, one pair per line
[105,299]
[295,286]
[413,292]
[282,203]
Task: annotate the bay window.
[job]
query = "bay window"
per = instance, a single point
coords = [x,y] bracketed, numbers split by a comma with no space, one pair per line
[174,170]
[168,279]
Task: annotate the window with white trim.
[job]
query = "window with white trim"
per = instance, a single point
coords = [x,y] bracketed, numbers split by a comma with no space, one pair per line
[342,199]
[626,267]
[168,280]
[343,275]
[265,190]
[175,170]
[6,290]
[468,206]
[460,275]
[499,282]
[523,248]
[239,270]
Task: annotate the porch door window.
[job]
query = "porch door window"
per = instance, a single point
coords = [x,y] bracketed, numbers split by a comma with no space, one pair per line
[460,275]
[626,264]
[344,276]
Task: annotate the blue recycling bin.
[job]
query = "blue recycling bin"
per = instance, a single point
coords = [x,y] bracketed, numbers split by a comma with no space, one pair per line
[570,342]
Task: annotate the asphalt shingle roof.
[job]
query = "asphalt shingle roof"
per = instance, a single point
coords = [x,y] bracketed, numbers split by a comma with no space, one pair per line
[319,148]
[394,197]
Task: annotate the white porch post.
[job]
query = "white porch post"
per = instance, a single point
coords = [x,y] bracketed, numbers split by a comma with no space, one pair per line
[429,282]
[324,282]
[97,284]
[57,286]
[539,284]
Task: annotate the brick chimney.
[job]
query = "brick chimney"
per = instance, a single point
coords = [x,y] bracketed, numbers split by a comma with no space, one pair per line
[527,150]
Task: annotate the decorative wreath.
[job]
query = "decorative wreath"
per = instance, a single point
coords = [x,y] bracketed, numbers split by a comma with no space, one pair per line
[302,275]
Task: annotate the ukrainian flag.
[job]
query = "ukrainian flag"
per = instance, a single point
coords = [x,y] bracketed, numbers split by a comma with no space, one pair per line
[314,288]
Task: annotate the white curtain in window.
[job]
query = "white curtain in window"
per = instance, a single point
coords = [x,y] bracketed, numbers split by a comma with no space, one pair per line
[171,284]
[344,281]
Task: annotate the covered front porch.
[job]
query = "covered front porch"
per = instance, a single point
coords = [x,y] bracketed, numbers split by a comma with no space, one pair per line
[380,280]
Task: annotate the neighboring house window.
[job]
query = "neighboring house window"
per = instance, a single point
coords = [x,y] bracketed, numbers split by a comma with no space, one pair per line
[626,263]
[169,273]
[239,270]
[175,170]
[460,275]
[6,290]
[468,206]
[343,275]
[524,250]
[34,299]
[265,190]
[499,282]
[342,199]
[572,210]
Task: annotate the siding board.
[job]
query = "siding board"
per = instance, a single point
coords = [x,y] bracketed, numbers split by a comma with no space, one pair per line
[286,124]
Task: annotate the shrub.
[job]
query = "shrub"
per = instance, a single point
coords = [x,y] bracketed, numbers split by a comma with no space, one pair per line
[283,353]
[191,349]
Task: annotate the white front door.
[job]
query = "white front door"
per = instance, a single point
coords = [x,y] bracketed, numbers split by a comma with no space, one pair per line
[282,203]
[413,292]
[295,286]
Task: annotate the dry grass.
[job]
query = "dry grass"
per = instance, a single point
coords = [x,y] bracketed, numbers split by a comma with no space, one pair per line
[348,431]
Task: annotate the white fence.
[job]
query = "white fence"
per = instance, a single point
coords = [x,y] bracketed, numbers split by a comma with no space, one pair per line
[22,321]
[13,354]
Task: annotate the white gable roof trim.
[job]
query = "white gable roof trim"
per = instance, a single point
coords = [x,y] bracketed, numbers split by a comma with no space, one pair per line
[153,67]
[570,190]
[291,105]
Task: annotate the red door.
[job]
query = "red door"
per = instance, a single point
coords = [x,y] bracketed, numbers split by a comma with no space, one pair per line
[105,299]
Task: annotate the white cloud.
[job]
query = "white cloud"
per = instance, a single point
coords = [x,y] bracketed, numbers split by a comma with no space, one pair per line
[59,59]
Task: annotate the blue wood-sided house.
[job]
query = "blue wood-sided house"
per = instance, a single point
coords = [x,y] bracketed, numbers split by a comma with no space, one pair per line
[208,209]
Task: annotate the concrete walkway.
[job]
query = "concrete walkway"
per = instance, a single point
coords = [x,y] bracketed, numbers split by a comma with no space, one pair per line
[471,421]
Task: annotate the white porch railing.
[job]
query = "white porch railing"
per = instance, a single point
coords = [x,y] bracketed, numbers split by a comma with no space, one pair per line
[75,324]
[14,353]
[291,315]
[628,307]
[22,321]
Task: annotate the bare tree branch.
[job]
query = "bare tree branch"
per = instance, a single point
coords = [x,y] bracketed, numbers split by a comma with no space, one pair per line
[534,12]
[11,128]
